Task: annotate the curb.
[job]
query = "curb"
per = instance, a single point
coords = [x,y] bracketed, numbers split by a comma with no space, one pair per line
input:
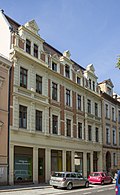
[23,188]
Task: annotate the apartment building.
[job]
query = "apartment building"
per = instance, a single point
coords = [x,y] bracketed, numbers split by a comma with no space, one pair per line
[111,126]
[55,108]
[5,65]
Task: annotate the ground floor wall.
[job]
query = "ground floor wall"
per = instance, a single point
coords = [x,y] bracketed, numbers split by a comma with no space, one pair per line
[33,157]
[3,170]
[111,159]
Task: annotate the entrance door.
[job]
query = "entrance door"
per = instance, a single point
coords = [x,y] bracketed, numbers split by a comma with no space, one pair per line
[41,166]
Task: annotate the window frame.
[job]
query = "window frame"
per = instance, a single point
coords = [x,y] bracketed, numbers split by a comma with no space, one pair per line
[22,116]
[38,84]
[23,77]
[38,125]
[54,124]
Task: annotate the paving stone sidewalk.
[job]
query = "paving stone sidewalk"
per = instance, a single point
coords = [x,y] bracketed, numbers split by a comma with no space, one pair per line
[23,187]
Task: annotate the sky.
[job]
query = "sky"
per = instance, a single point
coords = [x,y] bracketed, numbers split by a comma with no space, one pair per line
[89,29]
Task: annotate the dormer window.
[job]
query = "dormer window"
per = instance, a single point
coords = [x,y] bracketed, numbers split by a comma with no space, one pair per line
[35,51]
[67,71]
[28,46]
[54,66]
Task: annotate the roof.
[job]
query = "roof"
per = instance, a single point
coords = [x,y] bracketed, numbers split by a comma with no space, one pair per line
[47,47]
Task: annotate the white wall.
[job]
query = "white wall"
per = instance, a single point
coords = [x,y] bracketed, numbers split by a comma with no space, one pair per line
[4,35]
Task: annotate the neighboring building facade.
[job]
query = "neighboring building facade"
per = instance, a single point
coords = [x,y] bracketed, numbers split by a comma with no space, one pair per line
[111,127]
[4,98]
[55,109]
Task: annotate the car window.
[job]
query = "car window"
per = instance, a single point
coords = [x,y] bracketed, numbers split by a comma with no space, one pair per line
[73,175]
[79,175]
[58,174]
[68,175]
[96,174]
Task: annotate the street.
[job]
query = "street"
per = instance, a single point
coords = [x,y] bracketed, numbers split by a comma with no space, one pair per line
[93,189]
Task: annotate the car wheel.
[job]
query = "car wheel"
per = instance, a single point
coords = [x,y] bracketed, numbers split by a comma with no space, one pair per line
[87,184]
[55,187]
[102,182]
[69,186]
[19,179]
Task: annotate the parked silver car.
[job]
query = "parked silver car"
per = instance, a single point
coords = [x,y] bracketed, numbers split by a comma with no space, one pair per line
[68,180]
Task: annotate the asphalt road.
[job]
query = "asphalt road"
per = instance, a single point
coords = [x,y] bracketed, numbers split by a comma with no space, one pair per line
[48,190]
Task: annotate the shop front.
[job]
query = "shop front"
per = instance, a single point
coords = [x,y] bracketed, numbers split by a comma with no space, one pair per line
[23,164]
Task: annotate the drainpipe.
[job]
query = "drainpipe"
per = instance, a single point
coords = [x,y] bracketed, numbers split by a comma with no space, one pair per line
[9,88]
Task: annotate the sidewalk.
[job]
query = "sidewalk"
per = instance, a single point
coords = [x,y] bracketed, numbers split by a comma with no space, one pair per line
[23,187]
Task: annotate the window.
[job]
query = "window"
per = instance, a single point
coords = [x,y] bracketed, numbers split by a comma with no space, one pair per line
[23,77]
[22,116]
[90,83]
[96,109]
[38,84]
[78,81]
[107,136]
[113,114]
[54,66]
[93,86]
[67,71]
[38,120]
[114,159]
[119,116]
[35,51]
[114,136]
[89,105]
[54,91]
[79,102]
[96,135]
[54,124]
[89,132]
[68,161]
[68,127]
[28,46]
[119,137]
[80,130]
[67,97]
[106,110]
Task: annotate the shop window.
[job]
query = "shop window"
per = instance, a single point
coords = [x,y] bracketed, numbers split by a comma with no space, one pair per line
[88,164]
[79,162]
[23,77]
[56,160]
[23,164]
[68,160]
[38,84]
[22,116]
